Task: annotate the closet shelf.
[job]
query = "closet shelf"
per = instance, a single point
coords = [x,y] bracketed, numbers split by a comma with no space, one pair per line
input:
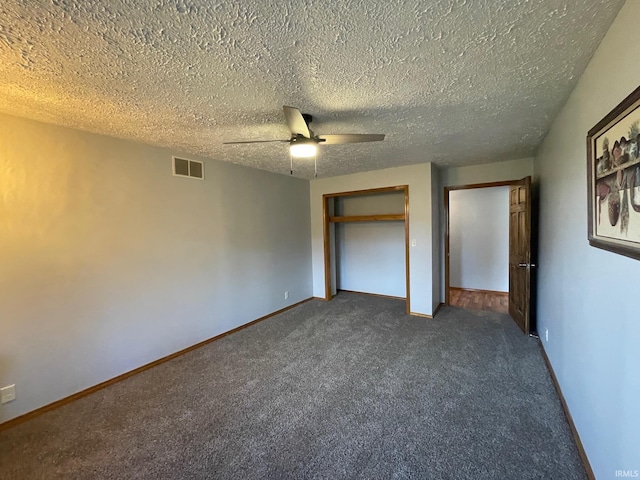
[388,217]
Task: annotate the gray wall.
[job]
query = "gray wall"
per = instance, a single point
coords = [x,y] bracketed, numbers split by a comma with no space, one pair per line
[370,204]
[436,239]
[487,172]
[109,262]
[479,238]
[587,298]
[370,258]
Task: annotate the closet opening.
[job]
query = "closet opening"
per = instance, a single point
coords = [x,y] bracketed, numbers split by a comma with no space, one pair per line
[366,242]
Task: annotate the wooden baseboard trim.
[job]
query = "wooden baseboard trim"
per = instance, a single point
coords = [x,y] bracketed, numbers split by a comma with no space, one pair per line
[475,290]
[322,299]
[565,407]
[424,315]
[372,294]
[83,393]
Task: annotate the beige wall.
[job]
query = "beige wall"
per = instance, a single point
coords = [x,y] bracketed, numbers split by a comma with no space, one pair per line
[109,262]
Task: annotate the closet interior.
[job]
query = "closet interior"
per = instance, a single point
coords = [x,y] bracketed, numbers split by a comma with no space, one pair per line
[366,242]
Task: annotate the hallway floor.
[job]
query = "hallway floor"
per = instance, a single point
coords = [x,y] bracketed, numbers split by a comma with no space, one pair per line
[479,300]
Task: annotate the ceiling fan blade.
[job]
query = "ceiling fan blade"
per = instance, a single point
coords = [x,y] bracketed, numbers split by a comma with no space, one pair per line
[255,141]
[296,122]
[350,138]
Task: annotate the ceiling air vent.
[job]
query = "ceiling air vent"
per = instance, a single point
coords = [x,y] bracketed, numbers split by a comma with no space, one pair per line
[188,168]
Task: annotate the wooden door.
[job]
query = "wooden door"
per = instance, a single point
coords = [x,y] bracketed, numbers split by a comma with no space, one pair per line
[520,253]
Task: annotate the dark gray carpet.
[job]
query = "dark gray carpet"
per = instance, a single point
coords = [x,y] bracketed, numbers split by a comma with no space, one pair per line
[353,388]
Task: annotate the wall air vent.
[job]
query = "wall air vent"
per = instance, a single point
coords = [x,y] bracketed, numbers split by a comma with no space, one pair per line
[188,168]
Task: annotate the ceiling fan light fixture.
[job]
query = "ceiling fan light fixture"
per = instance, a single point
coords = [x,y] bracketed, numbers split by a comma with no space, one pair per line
[303,149]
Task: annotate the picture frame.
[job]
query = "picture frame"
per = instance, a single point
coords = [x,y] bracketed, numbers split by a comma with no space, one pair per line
[613,179]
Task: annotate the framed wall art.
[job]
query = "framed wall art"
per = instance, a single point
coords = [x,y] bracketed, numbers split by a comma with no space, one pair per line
[613,169]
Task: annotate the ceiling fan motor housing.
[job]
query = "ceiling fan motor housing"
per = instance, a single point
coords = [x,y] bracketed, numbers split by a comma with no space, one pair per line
[301,139]
[307,118]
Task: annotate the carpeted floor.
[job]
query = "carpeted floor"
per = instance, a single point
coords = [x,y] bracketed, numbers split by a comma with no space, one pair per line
[353,388]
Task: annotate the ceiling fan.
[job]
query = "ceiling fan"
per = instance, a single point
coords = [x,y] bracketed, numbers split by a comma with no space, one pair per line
[304,143]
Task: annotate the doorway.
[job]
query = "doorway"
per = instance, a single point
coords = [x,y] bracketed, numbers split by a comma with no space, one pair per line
[513,268]
[479,248]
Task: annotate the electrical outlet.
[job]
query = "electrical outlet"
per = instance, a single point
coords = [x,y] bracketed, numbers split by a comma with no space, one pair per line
[7,394]
[286,295]
[546,334]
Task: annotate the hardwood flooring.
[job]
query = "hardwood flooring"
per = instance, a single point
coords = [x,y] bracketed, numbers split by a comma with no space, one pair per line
[479,299]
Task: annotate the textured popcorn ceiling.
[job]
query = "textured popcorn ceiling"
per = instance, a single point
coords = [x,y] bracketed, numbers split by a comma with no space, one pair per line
[450,81]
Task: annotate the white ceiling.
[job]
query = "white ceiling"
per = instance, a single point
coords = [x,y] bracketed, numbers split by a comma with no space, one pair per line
[450,81]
